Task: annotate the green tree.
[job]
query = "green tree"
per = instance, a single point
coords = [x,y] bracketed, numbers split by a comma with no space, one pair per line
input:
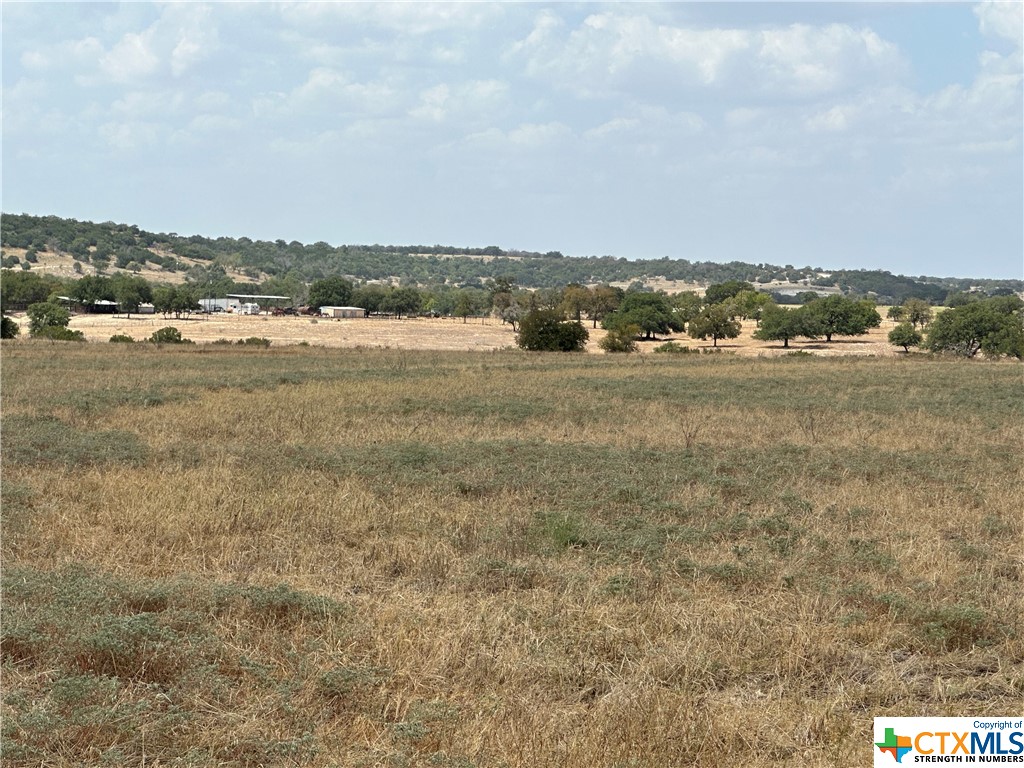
[604,299]
[652,313]
[90,289]
[720,292]
[47,314]
[513,314]
[20,289]
[687,305]
[992,326]
[545,330]
[961,298]
[575,299]
[370,297]
[402,301]
[841,316]
[184,301]
[330,292]
[779,324]
[918,312]
[905,335]
[289,285]
[179,300]
[896,314]
[163,299]
[750,304]
[211,281]
[130,292]
[714,321]
[464,305]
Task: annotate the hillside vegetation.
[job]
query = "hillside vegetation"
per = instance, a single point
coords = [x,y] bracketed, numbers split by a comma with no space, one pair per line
[222,557]
[110,246]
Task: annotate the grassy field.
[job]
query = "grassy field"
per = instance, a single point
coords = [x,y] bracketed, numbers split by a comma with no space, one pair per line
[448,334]
[317,557]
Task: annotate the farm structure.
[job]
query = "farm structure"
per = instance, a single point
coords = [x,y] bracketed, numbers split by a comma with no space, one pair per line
[219,305]
[342,312]
[246,303]
[240,303]
[97,307]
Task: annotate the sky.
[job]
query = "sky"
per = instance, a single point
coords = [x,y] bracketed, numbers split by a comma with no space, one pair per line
[836,135]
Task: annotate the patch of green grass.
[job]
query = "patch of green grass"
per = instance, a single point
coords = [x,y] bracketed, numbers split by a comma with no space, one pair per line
[48,440]
[125,668]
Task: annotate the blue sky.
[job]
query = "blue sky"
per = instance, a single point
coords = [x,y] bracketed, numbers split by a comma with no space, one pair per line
[841,135]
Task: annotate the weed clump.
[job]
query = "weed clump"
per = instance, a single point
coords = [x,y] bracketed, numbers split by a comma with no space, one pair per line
[254,341]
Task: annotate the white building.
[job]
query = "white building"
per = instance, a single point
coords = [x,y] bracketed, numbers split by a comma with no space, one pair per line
[342,312]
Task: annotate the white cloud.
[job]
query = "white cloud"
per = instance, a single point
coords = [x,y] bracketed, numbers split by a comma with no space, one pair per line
[814,60]
[742,117]
[214,124]
[321,83]
[412,19]
[69,54]
[534,135]
[432,104]
[131,135]
[131,58]
[182,36]
[1002,19]
[618,126]
[471,102]
[836,119]
[626,52]
[193,31]
[327,91]
[526,136]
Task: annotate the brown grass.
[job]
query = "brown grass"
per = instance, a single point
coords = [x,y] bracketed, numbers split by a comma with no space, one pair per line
[477,334]
[540,560]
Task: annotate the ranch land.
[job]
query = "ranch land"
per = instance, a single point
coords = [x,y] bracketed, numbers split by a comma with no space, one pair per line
[342,555]
[422,333]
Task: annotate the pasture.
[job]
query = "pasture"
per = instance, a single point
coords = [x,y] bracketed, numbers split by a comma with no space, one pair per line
[358,557]
[449,334]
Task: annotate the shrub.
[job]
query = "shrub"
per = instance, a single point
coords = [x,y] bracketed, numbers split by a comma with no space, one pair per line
[58,333]
[672,348]
[168,335]
[545,330]
[254,341]
[621,339]
[121,338]
[9,329]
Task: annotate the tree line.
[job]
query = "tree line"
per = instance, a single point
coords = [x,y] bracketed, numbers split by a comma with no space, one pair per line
[992,325]
[552,319]
[291,263]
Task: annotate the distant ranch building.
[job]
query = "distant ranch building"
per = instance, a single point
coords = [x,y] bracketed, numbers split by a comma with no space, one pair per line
[342,312]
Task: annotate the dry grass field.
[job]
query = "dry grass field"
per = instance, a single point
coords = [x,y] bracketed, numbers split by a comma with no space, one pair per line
[316,556]
[477,334]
